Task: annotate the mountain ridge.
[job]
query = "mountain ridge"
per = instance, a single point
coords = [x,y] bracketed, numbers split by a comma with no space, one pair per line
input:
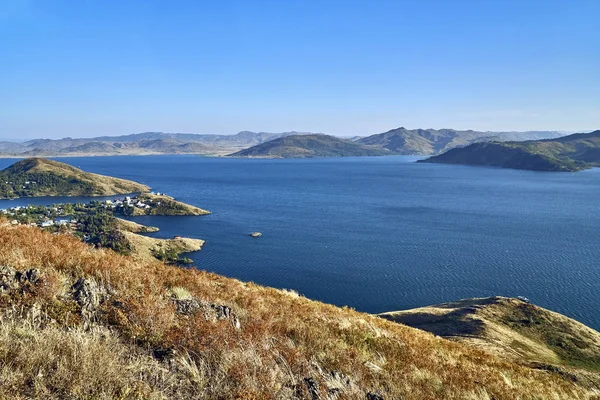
[570,153]
[307,146]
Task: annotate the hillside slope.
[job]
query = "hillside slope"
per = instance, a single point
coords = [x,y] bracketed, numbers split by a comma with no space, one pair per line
[569,153]
[79,323]
[436,141]
[513,329]
[34,177]
[303,146]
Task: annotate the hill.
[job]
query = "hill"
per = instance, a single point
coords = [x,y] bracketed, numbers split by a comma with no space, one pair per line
[513,329]
[78,322]
[302,146]
[140,143]
[568,153]
[34,177]
[436,141]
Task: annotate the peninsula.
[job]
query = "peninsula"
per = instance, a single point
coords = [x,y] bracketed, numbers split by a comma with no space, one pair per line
[566,154]
[513,329]
[36,177]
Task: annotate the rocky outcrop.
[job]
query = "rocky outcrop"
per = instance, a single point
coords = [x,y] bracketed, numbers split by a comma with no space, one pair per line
[211,311]
[11,279]
[89,295]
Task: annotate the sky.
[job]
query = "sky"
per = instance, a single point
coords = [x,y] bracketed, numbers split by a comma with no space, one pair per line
[111,67]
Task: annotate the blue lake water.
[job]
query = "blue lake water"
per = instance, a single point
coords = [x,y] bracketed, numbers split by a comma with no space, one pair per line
[382,233]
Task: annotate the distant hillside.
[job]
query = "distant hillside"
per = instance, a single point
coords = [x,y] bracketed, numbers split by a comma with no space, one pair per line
[568,153]
[140,143]
[397,141]
[35,177]
[513,329]
[302,146]
[435,141]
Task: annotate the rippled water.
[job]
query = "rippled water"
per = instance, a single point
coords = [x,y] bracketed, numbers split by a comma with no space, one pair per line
[383,233]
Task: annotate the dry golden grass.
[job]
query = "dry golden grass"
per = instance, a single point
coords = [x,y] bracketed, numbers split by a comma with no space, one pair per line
[130,226]
[144,246]
[139,347]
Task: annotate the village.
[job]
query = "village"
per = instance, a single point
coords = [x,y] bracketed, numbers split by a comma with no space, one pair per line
[66,215]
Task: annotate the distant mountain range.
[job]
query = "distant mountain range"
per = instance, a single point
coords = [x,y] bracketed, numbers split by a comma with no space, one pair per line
[303,146]
[568,153]
[396,141]
[436,141]
[140,143]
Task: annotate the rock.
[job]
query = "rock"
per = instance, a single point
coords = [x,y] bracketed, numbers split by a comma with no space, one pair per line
[187,306]
[89,295]
[373,396]
[313,388]
[33,275]
[211,311]
[8,278]
[12,279]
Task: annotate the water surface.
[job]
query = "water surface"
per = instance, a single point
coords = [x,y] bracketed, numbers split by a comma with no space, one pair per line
[382,233]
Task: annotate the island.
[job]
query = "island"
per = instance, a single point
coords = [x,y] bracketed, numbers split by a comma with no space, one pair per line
[308,146]
[566,154]
[37,177]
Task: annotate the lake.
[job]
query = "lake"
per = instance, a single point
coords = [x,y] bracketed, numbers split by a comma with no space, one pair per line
[382,233]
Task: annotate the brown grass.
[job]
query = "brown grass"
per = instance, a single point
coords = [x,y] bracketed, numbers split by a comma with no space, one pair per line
[141,348]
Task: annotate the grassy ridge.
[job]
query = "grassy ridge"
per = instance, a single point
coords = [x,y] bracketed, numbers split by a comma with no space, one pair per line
[34,177]
[133,338]
[513,329]
[569,154]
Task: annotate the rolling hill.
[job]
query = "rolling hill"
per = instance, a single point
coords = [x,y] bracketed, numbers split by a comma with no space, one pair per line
[434,141]
[34,177]
[569,153]
[304,146]
[513,329]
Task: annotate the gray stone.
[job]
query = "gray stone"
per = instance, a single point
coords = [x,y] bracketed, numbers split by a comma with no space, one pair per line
[89,295]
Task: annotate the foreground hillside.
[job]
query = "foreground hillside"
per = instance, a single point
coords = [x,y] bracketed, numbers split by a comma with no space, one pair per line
[33,177]
[80,323]
[514,329]
[302,146]
[570,153]
[436,141]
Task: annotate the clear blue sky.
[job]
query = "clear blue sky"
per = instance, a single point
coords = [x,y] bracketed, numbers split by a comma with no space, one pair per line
[84,68]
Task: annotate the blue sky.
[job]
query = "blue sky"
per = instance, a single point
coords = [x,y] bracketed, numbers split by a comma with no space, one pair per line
[86,68]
